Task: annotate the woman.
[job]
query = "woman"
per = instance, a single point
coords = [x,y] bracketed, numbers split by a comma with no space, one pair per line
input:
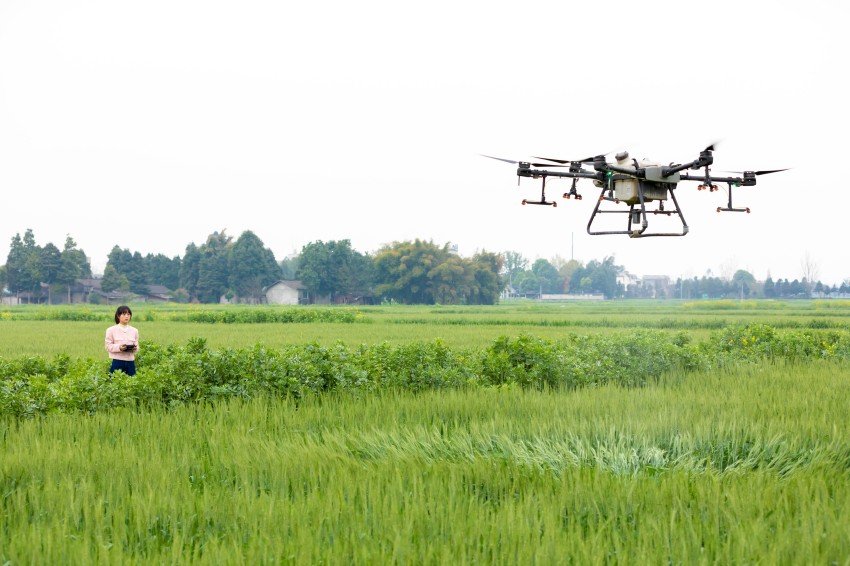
[122,341]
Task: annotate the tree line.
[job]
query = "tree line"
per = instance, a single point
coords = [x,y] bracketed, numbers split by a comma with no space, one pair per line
[29,265]
[240,269]
[408,272]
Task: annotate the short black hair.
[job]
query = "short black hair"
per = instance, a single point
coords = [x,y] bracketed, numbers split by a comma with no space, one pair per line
[121,310]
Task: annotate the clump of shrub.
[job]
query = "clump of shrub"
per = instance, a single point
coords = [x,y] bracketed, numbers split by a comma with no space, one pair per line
[763,341]
[176,374]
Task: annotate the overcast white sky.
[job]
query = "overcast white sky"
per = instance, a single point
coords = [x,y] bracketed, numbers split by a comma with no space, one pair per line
[149,125]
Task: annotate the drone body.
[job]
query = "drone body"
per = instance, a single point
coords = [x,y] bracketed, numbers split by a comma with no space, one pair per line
[636,184]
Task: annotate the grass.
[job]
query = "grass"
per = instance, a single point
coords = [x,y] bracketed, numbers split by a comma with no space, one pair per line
[78,331]
[740,467]
[750,464]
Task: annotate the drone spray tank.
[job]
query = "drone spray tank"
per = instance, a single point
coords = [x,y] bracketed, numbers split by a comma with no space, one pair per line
[627,189]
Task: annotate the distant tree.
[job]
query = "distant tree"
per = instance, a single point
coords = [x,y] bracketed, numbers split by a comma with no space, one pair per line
[119,259]
[527,282]
[213,277]
[162,270]
[743,282]
[402,271]
[599,277]
[329,268]
[69,272]
[3,277]
[797,288]
[449,281]
[17,279]
[189,271]
[32,263]
[362,274]
[51,264]
[769,288]
[566,272]
[251,266]
[78,256]
[547,276]
[113,280]
[513,263]
[131,265]
[486,267]
[74,265]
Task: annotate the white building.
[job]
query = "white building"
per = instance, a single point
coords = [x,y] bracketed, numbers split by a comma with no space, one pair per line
[287,293]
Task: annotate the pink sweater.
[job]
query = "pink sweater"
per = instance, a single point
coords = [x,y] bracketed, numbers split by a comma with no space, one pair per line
[118,335]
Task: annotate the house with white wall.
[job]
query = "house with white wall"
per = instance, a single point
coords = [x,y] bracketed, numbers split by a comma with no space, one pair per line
[287,293]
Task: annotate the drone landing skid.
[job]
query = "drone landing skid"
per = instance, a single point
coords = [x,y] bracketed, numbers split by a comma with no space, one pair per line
[542,200]
[637,215]
[729,207]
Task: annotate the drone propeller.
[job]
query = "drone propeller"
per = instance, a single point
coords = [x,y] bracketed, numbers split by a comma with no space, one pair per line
[566,161]
[518,162]
[759,172]
[590,159]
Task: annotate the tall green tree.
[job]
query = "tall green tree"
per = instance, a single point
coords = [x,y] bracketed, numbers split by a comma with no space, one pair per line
[328,268]
[402,271]
[527,282]
[251,267]
[51,264]
[451,281]
[598,277]
[112,280]
[213,277]
[769,288]
[566,272]
[486,267]
[74,265]
[189,271]
[131,265]
[513,263]
[17,278]
[547,276]
[162,270]
[362,275]
[744,283]
[32,263]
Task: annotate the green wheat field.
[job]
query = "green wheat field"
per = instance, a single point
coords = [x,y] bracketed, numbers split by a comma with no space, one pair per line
[613,433]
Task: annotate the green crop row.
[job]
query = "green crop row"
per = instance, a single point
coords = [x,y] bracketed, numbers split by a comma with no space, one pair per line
[175,374]
[232,315]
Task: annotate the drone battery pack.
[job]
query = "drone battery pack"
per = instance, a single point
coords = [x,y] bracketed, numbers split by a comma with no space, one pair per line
[627,191]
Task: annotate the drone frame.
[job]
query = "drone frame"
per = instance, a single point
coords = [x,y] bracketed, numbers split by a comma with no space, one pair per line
[652,183]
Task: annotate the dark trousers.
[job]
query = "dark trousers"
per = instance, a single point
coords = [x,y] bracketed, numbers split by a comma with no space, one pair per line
[127,367]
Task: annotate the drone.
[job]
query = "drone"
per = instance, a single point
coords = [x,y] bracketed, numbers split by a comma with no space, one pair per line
[636,184]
